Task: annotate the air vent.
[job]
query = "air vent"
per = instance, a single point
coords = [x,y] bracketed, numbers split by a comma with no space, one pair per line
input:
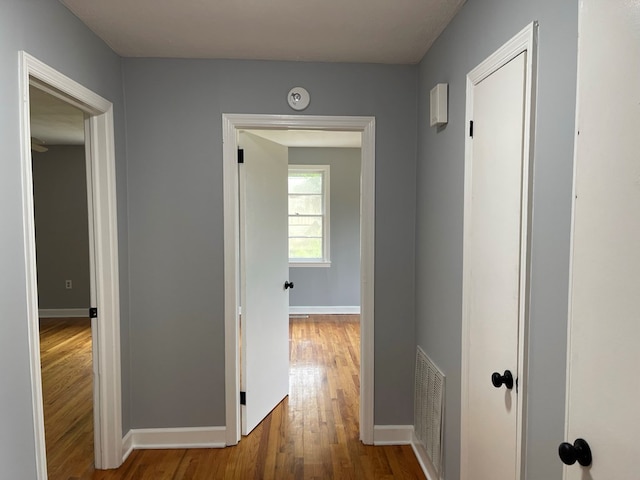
[429,408]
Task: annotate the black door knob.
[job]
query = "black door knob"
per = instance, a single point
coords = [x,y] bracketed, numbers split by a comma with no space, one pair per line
[579,451]
[499,380]
[288,284]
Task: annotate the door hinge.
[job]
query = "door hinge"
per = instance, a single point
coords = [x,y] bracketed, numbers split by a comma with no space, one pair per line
[93,312]
[471,128]
[243,398]
[240,155]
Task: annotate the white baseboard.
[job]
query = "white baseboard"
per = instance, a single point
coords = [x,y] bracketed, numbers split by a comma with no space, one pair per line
[158,438]
[127,445]
[63,312]
[392,434]
[423,459]
[339,310]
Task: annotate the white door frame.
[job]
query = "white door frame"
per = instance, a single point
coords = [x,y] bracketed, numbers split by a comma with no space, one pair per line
[525,41]
[231,123]
[103,221]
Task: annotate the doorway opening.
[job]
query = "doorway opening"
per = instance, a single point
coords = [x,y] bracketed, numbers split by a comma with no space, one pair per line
[64,266]
[311,178]
[232,124]
[102,232]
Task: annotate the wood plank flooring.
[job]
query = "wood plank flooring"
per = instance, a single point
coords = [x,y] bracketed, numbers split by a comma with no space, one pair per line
[312,434]
[67,390]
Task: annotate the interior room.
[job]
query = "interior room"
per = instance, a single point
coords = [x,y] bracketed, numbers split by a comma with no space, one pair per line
[166,87]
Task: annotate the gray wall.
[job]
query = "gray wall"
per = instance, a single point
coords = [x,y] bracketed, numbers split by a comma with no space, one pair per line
[48,31]
[480,28]
[174,110]
[339,284]
[62,227]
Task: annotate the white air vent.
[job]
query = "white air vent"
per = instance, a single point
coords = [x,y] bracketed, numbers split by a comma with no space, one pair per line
[429,408]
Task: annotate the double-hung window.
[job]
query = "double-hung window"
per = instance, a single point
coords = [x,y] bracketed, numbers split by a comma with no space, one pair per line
[309,215]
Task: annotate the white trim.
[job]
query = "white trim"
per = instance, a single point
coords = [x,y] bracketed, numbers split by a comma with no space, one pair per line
[572,233]
[108,445]
[31,275]
[367,278]
[230,124]
[63,312]
[392,434]
[127,445]
[326,310]
[525,41]
[162,438]
[423,459]
[93,293]
[306,264]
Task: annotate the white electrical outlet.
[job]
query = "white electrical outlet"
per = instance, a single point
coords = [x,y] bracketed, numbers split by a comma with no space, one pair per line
[68,284]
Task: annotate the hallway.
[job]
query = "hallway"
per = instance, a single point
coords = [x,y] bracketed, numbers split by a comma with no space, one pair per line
[312,434]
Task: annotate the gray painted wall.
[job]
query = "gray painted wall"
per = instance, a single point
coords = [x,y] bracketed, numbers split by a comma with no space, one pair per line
[174,111]
[480,28]
[339,284]
[62,228]
[52,34]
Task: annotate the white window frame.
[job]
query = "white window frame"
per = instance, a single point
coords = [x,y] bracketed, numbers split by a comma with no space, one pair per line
[325,261]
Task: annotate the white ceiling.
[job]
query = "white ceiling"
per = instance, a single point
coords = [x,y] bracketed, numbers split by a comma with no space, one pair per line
[371,31]
[53,121]
[362,31]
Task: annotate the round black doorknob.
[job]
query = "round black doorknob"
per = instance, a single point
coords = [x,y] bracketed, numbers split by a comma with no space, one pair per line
[579,452]
[499,380]
[288,284]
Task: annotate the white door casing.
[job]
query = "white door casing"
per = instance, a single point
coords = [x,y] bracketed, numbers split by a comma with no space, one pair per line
[93,294]
[231,123]
[264,268]
[603,385]
[103,221]
[498,160]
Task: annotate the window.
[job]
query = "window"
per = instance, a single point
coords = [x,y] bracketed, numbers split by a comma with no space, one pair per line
[309,215]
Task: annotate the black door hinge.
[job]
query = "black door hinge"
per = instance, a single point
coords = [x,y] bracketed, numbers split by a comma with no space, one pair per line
[243,398]
[240,155]
[471,128]
[93,312]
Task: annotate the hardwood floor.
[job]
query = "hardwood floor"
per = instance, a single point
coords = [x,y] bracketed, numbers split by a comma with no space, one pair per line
[311,434]
[67,390]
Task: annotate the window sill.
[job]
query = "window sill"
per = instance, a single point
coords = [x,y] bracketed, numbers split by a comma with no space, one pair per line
[310,264]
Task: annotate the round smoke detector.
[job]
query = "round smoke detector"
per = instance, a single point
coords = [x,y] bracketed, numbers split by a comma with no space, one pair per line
[298,98]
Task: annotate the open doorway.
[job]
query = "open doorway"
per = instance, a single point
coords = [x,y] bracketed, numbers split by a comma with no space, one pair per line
[365,126]
[102,231]
[64,266]
[317,252]
[324,322]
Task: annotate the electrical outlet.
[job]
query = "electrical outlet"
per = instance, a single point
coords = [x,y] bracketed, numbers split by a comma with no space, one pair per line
[68,284]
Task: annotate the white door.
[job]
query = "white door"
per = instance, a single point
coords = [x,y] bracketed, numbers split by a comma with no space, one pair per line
[604,324]
[493,271]
[264,269]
